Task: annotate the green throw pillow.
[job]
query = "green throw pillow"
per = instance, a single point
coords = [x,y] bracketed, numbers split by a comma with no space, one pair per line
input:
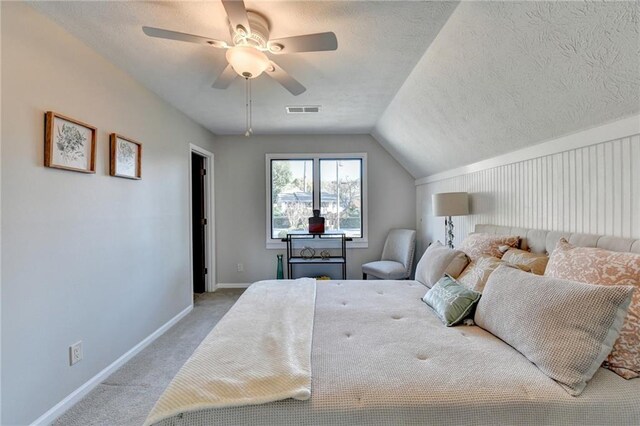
[451,301]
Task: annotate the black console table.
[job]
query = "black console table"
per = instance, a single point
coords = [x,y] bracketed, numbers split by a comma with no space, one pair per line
[334,243]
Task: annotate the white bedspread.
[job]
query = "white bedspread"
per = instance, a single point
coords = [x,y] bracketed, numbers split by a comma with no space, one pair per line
[259,352]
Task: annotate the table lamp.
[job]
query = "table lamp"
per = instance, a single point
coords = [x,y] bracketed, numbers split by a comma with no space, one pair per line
[449,204]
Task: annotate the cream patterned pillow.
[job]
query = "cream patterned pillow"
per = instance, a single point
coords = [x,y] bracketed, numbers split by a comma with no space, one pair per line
[564,327]
[527,261]
[475,276]
[476,245]
[604,267]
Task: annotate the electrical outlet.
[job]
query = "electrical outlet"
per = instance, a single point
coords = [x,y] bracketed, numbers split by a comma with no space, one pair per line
[240,267]
[75,352]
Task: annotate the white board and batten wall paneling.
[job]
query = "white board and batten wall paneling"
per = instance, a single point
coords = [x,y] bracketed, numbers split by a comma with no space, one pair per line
[591,189]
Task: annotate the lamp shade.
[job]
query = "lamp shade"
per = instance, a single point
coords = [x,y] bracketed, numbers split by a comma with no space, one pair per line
[450,204]
[247,61]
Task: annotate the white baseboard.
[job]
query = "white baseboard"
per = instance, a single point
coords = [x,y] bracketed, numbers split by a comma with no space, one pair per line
[75,396]
[233,285]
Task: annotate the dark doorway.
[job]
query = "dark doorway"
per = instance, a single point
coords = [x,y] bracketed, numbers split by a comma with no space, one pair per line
[199,221]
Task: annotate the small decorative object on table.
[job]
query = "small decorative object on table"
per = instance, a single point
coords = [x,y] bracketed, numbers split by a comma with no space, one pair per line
[280,269]
[307,253]
[316,223]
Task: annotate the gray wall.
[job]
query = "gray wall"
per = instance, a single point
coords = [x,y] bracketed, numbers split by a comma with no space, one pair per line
[86,257]
[241,205]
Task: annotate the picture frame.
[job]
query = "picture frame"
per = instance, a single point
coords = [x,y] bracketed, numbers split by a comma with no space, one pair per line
[126,157]
[69,144]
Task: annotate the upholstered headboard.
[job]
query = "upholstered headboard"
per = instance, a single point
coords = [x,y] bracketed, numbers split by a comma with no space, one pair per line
[538,241]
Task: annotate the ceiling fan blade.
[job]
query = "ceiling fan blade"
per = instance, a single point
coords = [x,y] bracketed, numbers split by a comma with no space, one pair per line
[288,82]
[305,43]
[225,78]
[237,13]
[174,35]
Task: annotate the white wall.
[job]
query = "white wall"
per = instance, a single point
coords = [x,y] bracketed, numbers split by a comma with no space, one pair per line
[87,257]
[588,182]
[0,222]
[240,200]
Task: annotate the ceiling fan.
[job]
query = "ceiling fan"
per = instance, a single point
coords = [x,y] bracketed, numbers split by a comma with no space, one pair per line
[250,43]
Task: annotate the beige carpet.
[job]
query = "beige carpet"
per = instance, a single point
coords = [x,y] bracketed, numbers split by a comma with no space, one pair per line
[127,396]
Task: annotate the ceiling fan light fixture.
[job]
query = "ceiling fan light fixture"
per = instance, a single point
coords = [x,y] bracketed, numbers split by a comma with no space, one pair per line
[247,61]
[250,34]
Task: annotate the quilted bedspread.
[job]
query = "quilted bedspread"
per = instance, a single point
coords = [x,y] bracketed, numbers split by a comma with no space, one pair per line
[380,356]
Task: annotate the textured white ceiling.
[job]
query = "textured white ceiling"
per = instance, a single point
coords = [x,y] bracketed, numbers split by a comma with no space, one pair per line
[438,84]
[501,76]
[379,43]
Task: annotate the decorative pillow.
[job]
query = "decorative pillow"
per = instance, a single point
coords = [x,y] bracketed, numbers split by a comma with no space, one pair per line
[527,261]
[437,261]
[598,266]
[475,276]
[564,327]
[476,245]
[451,301]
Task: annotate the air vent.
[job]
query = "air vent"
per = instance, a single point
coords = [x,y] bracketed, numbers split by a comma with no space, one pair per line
[303,109]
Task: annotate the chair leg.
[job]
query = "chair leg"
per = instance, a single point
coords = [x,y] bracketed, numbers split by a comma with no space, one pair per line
[364,276]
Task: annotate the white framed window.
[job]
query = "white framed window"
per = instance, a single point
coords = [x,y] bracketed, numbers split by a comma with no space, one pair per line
[335,184]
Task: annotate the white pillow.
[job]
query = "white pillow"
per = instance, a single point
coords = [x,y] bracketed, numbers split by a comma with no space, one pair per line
[564,327]
[437,261]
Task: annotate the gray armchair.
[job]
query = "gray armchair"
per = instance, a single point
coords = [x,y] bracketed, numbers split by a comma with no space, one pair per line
[397,257]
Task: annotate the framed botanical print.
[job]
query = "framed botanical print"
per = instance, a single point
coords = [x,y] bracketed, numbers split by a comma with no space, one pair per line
[69,144]
[126,157]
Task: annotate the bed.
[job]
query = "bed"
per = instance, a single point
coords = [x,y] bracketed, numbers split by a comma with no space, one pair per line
[379,355]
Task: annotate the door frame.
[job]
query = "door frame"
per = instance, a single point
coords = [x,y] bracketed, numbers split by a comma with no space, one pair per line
[209,206]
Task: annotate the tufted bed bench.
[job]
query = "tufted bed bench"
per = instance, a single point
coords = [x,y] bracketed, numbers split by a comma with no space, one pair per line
[380,356]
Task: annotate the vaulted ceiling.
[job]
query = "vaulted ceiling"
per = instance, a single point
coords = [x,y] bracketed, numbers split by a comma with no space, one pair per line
[378,46]
[438,84]
[502,76]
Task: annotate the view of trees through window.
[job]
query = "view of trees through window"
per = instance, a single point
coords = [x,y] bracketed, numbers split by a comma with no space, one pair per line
[341,195]
[291,196]
[293,189]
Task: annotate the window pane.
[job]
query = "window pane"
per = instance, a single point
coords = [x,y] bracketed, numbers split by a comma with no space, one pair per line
[341,195]
[291,196]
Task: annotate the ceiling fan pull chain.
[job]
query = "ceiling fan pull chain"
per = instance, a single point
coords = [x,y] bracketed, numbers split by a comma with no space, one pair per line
[246,104]
[250,109]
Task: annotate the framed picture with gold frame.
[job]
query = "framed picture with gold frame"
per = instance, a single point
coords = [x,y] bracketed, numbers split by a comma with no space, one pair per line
[69,144]
[126,157]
